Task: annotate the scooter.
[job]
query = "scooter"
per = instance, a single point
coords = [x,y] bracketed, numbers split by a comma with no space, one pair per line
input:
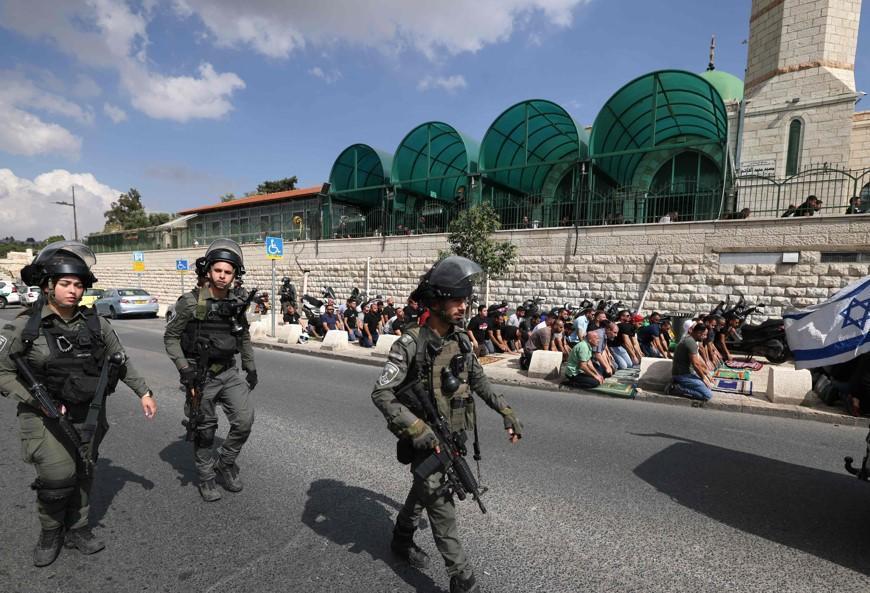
[311,305]
[765,339]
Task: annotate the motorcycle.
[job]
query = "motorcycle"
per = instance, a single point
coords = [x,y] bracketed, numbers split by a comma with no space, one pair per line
[765,339]
[533,306]
[311,305]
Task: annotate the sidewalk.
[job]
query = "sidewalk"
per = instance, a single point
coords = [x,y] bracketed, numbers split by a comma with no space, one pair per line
[506,371]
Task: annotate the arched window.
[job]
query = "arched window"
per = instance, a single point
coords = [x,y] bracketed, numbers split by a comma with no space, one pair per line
[793,154]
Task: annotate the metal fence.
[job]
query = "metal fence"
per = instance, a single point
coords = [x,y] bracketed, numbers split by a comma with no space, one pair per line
[766,196]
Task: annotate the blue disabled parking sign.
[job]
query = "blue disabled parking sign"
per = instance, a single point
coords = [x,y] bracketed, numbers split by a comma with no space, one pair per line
[274,247]
[181,265]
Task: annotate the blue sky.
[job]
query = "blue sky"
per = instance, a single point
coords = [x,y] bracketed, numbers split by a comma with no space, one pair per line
[190,99]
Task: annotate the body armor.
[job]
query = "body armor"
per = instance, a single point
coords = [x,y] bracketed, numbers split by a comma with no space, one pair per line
[215,323]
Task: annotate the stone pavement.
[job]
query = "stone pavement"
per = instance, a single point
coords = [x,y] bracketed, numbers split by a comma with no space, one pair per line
[505,370]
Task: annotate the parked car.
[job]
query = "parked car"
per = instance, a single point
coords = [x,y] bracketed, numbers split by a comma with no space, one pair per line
[9,294]
[31,293]
[116,302]
[90,297]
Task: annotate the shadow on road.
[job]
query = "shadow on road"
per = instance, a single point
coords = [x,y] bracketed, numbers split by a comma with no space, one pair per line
[822,513]
[361,521]
[109,480]
[179,454]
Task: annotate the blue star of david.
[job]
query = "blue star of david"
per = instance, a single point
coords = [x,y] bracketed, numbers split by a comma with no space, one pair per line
[858,322]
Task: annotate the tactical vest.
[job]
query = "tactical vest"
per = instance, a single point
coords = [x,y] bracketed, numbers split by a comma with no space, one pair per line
[211,325]
[458,407]
[71,372]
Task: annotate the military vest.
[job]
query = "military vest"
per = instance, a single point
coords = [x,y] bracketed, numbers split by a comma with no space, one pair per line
[458,407]
[214,323]
[77,353]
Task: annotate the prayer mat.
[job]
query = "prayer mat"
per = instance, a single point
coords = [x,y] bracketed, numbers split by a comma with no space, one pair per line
[627,374]
[738,386]
[489,359]
[731,374]
[616,389]
[752,365]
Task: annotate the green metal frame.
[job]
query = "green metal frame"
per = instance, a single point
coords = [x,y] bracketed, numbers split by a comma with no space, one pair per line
[360,175]
[433,160]
[665,109]
[526,142]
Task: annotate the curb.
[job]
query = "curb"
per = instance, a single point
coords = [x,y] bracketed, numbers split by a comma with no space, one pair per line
[781,411]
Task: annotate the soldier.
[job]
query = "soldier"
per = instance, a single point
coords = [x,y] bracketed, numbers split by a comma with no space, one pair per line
[208,330]
[441,349]
[77,358]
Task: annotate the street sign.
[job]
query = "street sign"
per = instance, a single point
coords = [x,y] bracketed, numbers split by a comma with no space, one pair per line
[181,266]
[274,247]
[138,261]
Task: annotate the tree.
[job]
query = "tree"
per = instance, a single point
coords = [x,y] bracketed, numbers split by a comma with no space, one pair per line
[127,213]
[157,218]
[270,187]
[54,238]
[470,236]
[228,197]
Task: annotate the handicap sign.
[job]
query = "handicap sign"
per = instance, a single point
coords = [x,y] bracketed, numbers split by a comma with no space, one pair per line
[181,265]
[138,261]
[274,247]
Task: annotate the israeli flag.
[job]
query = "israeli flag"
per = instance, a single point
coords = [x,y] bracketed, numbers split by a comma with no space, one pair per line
[831,332]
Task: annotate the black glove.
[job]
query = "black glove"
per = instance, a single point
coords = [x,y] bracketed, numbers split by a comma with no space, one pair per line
[425,441]
[511,421]
[251,378]
[188,376]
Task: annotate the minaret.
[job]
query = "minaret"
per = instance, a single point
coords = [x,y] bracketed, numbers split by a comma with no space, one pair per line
[800,84]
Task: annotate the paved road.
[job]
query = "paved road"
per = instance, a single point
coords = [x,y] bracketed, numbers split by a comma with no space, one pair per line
[601,495]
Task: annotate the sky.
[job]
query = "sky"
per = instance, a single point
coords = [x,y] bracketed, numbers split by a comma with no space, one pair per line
[187,100]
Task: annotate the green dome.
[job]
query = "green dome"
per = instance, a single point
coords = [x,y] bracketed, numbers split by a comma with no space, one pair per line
[729,86]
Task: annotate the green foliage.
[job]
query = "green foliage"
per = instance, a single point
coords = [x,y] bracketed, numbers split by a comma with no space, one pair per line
[157,218]
[270,187]
[126,213]
[470,236]
[228,197]
[54,238]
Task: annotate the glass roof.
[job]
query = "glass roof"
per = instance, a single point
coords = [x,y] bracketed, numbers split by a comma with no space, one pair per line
[668,107]
[435,160]
[524,143]
[360,173]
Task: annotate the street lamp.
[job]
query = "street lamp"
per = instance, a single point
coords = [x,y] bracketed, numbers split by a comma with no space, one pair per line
[75,218]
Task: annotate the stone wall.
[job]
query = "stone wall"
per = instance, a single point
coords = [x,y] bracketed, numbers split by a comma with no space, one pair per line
[562,265]
[861,142]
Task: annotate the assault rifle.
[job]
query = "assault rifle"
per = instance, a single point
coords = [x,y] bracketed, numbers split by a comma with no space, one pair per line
[194,392]
[450,459]
[50,410]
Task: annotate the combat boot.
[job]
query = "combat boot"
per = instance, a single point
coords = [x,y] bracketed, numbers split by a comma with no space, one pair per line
[460,585]
[229,475]
[404,547]
[48,547]
[84,540]
[209,491]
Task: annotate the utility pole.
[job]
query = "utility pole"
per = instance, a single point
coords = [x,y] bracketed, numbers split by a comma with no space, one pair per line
[75,217]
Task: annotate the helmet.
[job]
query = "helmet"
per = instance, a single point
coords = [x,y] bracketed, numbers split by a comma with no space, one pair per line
[450,278]
[285,280]
[225,250]
[61,258]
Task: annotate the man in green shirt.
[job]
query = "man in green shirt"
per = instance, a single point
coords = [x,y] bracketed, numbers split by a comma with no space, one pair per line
[580,372]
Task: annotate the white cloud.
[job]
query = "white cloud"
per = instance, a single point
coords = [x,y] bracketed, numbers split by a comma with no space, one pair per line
[86,87]
[24,203]
[26,133]
[182,98]
[109,34]
[327,77]
[276,29]
[114,113]
[448,83]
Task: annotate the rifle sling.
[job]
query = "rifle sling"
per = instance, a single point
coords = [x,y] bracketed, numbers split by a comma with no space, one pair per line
[96,405]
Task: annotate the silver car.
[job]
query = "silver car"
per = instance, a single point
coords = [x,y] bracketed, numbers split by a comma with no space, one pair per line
[117,302]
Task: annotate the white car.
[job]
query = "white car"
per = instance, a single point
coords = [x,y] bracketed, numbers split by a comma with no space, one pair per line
[9,294]
[31,295]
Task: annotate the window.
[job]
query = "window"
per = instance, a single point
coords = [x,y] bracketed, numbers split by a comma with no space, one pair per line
[216,228]
[845,258]
[793,154]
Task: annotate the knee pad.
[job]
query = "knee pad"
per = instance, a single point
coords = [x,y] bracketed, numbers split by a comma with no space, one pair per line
[204,437]
[50,491]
